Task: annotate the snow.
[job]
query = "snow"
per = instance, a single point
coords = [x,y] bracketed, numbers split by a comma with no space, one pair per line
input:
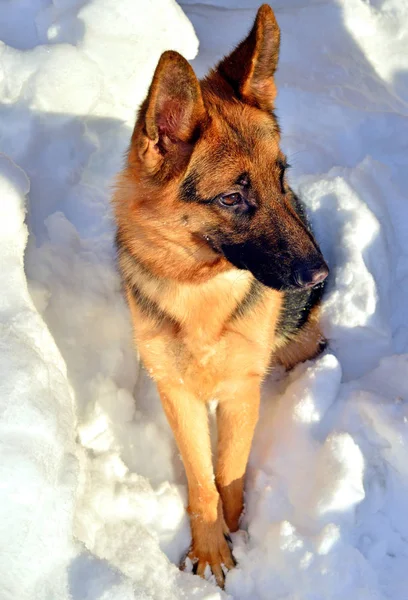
[92,493]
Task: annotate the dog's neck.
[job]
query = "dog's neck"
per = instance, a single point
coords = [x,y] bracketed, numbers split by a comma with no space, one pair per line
[184,301]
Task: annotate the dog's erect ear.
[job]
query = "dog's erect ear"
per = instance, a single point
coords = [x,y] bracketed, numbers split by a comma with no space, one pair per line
[251,66]
[172,112]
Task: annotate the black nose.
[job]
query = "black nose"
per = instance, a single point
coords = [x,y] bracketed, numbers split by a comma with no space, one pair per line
[306,277]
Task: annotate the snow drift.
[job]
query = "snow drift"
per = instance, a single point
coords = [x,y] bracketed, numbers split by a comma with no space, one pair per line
[92,491]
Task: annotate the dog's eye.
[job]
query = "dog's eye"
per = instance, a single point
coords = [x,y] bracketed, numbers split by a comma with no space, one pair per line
[230,199]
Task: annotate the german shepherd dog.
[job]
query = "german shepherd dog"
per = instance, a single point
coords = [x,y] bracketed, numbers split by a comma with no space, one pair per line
[221,271]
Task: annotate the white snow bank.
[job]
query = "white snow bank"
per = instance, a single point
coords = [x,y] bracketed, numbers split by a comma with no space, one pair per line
[38,469]
[327,484]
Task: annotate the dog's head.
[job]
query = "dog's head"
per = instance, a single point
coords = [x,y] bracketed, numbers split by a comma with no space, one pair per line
[209,172]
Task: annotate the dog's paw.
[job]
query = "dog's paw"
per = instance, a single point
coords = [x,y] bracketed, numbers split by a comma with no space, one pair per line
[210,562]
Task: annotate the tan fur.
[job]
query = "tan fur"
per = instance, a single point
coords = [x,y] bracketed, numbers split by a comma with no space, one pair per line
[183,293]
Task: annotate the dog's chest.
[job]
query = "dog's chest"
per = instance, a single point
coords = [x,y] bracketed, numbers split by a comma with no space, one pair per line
[203,309]
[213,350]
[206,364]
[206,349]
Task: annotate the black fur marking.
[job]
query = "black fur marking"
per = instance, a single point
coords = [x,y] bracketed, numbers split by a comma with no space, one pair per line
[250,299]
[149,307]
[270,265]
[188,189]
[296,308]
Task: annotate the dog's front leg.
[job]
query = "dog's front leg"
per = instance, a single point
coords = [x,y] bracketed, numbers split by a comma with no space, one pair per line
[237,415]
[189,421]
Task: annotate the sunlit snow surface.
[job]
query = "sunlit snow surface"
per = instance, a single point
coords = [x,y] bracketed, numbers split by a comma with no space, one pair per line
[92,490]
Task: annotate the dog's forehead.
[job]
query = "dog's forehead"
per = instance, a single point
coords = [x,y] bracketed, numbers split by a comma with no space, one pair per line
[249,121]
[237,140]
[229,150]
[242,130]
